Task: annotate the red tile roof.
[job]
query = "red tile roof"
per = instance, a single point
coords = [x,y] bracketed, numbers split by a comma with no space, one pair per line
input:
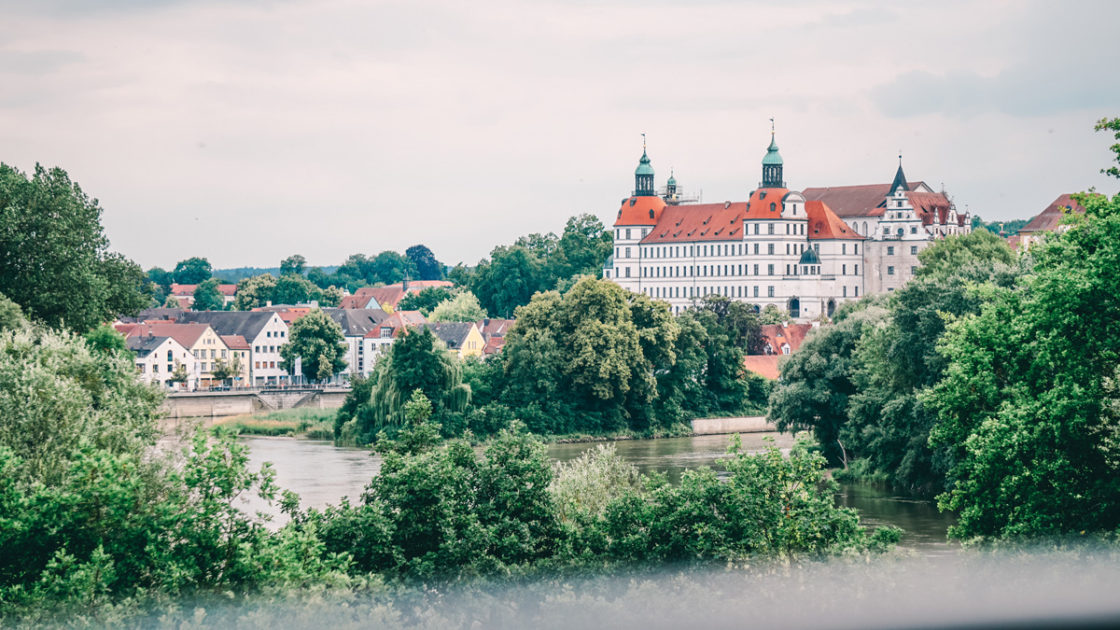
[494,345]
[775,335]
[854,201]
[932,207]
[640,211]
[398,321]
[824,224]
[699,222]
[186,334]
[289,314]
[763,365]
[1048,219]
[494,327]
[236,342]
[389,295]
[182,290]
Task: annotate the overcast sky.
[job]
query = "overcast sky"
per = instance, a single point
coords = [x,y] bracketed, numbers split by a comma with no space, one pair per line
[248,130]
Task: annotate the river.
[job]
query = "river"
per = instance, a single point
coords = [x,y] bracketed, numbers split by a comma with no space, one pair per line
[322,474]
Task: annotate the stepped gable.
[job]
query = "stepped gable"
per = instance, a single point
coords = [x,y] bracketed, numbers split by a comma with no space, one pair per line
[824,224]
[868,200]
[1049,219]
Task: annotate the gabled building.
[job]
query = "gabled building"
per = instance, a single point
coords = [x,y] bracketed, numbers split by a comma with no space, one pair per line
[241,357]
[1049,220]
[265,332]
[387,297]
[358,328]
[783,338]
[461,338]
[203,343]
[159,357]
[184,293]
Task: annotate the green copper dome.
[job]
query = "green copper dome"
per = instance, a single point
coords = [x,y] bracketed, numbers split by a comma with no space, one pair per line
[644,167]
[672,179]
[773,158]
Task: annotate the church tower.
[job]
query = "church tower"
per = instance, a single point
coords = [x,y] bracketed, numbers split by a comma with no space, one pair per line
[899,179]
[772,164]
[643,175]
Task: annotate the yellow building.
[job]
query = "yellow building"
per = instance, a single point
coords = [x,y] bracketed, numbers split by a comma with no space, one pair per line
[462,338]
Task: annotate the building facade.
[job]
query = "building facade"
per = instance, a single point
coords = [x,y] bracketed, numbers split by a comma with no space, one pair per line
[781,246]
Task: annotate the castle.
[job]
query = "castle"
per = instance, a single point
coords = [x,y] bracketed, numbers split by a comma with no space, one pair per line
[804,252]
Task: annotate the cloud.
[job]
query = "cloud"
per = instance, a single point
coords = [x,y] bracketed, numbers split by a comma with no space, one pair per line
[37,62]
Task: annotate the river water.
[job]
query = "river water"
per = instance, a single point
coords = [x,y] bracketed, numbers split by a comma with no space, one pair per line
[322,474]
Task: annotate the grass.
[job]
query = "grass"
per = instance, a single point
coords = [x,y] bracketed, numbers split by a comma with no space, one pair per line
[315,424]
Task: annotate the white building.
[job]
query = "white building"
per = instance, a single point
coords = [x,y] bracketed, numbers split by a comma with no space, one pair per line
[266,333]
[157,359]
[779,247]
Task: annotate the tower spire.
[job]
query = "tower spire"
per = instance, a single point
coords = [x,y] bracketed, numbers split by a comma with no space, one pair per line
[643,175]
[772,163]
[899,178]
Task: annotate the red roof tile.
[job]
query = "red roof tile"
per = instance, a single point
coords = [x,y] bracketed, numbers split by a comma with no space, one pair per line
[854,201]
[699,222]
[186,334]
[182,290]
[763,365]
[640,211]
[1048,219]
[236,342]
[775,335]
[824,224]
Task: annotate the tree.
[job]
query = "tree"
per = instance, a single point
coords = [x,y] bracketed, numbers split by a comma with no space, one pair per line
[1106,124]
[318,341]
[192,271]
[817,380]
[207,297]
[254,292]
[508,280]
[106,339]
[329,297]
[54,258]
[583,247]
[171,302]
[293,264]
[226,371]
[11,317]
[1027,415]
[425,300]
[773,315]
[161,279]
[425,262]
[390,267]
[463,307]
[293,289]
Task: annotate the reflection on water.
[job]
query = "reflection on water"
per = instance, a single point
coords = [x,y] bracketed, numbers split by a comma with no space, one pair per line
[322,474]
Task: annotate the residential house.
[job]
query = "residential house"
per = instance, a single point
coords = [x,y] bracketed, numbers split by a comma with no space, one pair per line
[158,358]
[265,332]
[1049,220]
[204,344]
[184,293]
[387,297]
[241,355]
[784,338]
[494,334]
[361,328]
[461,338]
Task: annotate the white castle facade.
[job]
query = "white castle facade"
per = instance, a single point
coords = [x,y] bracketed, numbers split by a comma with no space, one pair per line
[804,252]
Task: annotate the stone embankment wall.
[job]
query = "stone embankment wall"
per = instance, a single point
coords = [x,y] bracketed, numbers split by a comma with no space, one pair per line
[223,404]
[716,426]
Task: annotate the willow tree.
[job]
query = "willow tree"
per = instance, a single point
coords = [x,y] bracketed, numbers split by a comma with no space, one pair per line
[415,361]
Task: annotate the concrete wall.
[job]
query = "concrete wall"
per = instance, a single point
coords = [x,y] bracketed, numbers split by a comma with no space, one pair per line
[222,404]
[715,426]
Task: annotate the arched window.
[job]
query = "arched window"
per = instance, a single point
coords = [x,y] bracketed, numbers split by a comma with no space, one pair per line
[794,308]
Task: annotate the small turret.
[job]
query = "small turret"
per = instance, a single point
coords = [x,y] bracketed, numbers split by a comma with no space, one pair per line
[643,175]
[772,164]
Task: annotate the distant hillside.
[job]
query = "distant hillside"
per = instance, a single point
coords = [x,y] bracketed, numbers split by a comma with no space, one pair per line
[234,274]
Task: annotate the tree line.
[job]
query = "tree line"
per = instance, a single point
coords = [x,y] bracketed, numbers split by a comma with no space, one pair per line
[989,380]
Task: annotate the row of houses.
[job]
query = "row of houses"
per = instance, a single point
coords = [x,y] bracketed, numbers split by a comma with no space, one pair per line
[181,349]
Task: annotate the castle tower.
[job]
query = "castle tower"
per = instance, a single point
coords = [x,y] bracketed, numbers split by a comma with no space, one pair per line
[772,164]
[643,175]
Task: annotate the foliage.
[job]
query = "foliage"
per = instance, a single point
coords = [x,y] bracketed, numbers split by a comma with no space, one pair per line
[106,339]
[773,315]
[425,262]
[415,361]
[425,300]
[318,341]
[463,307]
[207,296]
[11,316]
[192,271]
[57,396]
[1026,412]
[508,280]
[224,370]
[253,292]
[293,289]
[584,487]
[54,258]
[329,297]
[293,265]
[816,381]
[1113,125]
[1000,228]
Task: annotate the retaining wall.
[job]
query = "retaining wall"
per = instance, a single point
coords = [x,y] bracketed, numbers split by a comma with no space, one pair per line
[716,426]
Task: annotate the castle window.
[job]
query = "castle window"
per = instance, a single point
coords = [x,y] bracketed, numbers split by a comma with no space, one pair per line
[843,248]
[770,249]
[769,270]
[914,250]
[890,270]
[770,291]
[769,228]
[855,247]
[756,249]
[890,250]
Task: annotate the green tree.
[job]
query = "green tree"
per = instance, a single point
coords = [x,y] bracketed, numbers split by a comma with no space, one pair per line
[192,271]
[773,315]
[11,317]
[1025,412]
[390,267]
[508,280]
[425,300]
[318,341]
[207,297]
[329,297]
[425,262]
[293,289]
[463,307]
[225,371]
[583,247]
[254,291]
[106,339]
[1113,125]
[415,361]
[817,381]
[293,264]
[54,258]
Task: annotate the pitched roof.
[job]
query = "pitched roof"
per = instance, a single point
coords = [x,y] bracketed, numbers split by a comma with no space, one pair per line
[494,345]
[640,211]
[235,342]
[764,365]
[360,298]
[390,294]
[1048,219]
[699,222]
[170,314]
[775,335]
[144,345]
[932,207]
[186,334]
[289,314]
[824,224]
[867,200]
[494,327]
[228,290]
[248,324]
[357,322]
[451,333]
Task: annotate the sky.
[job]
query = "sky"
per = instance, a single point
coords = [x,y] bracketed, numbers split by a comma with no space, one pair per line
[245,131]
